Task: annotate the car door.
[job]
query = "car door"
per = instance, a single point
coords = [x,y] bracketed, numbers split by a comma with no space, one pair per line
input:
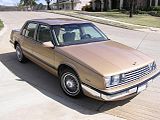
[43,49]
[28,37]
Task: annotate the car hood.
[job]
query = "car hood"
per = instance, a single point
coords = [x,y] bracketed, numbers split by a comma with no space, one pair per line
[107,58]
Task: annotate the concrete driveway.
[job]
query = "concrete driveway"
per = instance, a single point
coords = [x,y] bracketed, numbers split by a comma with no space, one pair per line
[30,93]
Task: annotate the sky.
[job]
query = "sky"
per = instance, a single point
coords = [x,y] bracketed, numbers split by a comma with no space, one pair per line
[14,2]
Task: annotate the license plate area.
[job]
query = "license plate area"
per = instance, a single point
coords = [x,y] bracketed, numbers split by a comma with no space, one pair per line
[141,88]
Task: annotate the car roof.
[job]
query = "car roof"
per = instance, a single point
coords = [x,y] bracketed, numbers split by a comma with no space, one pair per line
[59,21]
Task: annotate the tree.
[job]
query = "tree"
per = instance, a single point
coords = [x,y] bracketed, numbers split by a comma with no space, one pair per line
[48,3]
[28,2]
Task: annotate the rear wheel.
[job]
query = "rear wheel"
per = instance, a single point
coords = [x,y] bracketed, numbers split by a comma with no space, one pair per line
[19,53]
[70,83]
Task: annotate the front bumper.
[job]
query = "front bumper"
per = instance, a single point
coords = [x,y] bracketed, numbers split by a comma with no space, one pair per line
[118,95]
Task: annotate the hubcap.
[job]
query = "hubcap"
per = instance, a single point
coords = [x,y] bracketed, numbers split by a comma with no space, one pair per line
[70,83]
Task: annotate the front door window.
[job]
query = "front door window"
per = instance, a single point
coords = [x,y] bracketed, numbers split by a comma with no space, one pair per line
[44,34]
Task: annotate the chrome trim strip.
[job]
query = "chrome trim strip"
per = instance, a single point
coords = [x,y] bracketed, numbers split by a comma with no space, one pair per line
[106,97]
[90,91]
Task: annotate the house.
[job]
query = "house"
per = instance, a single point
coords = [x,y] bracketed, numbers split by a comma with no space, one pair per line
[8,8]
[77,4]
[104,5]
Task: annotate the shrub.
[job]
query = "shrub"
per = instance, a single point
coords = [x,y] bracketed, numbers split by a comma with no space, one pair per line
[87,8]
[141,12]
[154,13]
[1,24]
[124,11]
[158,14]
[113,10]
[155,8]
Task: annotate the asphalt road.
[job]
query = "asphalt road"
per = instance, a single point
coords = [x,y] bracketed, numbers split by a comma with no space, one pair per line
[30,93]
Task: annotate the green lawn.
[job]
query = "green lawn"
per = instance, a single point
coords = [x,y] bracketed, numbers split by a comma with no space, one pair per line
[145,20]
[1,25]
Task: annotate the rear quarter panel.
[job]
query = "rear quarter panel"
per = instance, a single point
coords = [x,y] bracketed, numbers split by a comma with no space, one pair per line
[15,36]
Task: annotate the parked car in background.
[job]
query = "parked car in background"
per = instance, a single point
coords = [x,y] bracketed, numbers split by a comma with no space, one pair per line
[84,59]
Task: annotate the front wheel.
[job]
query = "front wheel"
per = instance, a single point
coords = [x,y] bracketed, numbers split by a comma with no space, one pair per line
[21,58]
[70,83]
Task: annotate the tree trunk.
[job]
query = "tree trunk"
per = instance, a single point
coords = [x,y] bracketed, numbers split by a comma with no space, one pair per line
[102,5]
[72,4]
[48,7]
[156,2]
[57,4]
[121,4]
[150,3]
[109,5]
[131,8]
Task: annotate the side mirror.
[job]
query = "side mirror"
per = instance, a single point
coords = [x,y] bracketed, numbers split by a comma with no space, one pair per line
[48,44]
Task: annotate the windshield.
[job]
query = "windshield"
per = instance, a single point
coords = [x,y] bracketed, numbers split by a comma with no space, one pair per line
[78,33]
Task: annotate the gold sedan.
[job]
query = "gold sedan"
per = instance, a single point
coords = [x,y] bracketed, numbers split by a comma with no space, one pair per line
[84,59]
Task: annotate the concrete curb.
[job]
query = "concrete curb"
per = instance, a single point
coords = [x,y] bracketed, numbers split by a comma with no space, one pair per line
[3,30]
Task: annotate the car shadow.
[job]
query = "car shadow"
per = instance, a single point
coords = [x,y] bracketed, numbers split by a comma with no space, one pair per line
[49,85]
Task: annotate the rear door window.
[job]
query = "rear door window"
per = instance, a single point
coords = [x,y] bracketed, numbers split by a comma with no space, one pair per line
[29,30]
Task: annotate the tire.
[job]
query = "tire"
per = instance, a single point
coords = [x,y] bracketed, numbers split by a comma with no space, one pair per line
[70,83]
[19,53]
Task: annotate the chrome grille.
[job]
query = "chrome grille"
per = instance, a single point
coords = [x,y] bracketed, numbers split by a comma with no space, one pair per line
[135,74]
